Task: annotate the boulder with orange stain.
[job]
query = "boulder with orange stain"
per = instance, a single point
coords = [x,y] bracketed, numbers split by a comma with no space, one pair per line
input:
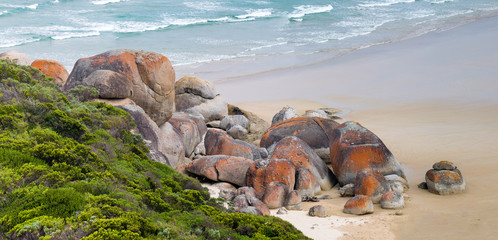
[303,156]
[371,183]
[218,142]
[221,168]
[52,69]
[359,205]
[191,127]
[150,75]
[312,130]
[275,195]
[263,172]
[306,184]
[445,182]
[233,169]
[354,148]
[392,200]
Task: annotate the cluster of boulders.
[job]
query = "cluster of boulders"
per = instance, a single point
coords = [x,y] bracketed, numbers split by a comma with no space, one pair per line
[189,126]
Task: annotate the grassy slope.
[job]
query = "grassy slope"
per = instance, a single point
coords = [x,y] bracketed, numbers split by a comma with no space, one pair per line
[72,169]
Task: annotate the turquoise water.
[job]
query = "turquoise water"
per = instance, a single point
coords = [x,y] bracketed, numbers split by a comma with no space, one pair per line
[204,31]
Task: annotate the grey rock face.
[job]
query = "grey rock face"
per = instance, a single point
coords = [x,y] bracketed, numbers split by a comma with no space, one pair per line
[231,120]
[195,95]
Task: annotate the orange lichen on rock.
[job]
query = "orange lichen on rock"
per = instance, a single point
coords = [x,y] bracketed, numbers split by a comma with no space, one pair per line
[371,183]
[354,148]
[263,172]
[359,205]
[52,69]
[312,130]
[151,76]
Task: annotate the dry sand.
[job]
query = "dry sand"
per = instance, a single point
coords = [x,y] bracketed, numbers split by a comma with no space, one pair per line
[430,98]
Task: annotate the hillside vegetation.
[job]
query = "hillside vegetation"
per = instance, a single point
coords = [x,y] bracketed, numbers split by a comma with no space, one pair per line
[73,169]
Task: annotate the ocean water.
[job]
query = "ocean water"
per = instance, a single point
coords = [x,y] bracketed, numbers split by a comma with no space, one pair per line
[192,32]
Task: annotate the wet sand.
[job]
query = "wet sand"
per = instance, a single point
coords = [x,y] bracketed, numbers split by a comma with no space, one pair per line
[430,98]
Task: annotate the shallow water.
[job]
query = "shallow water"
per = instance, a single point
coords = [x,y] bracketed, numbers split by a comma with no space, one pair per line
[204,31]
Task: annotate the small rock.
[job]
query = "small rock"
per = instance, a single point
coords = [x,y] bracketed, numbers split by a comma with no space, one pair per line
[359,205]
[347,190]
[445,182]
[237,132]
[255,202]
[316,113]
[213,124]
[282,211]
[444,165]
[371,183]
[317,211]
[284,114]
[392,200]
[324,197]
[232,120]
[310,199]
[422,185]
[393,178]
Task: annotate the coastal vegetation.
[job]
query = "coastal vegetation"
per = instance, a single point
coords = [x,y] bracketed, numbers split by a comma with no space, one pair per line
[74,169]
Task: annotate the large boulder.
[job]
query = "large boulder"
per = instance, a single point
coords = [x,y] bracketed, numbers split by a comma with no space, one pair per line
[275,195]
[205,166]
[221,168]
[199,96]
[233,169]
[303,156]
[165,146]
[354,148]
[16,57]
[217,142]
[262,172]
[359,205]
[110,84]
[314,131]
[150,75]
[53,69]
[306,184]
[192,129]
[371,183]
[173,144]
[445,179]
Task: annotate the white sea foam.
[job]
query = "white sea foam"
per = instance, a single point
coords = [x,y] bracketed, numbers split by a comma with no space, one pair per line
[68,35]
[256,13]
[103,2]
[384,3]
[3,12]
[205,5]
[31,6]
[439,1]
[303,10]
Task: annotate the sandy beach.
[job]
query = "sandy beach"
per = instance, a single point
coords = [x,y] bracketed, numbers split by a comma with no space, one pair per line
[429,98]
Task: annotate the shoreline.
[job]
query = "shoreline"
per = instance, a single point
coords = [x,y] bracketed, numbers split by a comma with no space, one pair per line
[429,99]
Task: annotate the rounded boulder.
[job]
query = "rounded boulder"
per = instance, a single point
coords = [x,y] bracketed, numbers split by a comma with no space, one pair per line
[150,75]
[313,131]
[354,148]
[53,69]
